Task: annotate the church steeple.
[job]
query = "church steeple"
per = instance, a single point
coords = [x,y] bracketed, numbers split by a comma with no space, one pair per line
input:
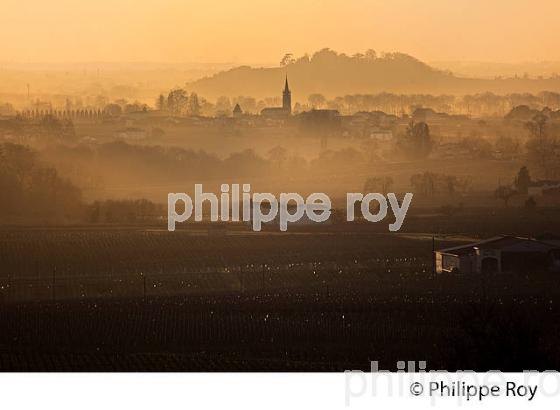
[287,97]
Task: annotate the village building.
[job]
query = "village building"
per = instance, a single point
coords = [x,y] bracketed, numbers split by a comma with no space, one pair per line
[237,111]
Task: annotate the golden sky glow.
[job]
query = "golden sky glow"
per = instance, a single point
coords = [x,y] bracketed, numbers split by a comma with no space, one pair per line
[262,31]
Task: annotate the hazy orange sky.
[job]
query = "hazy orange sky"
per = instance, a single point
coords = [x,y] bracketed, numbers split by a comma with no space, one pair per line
[262,31]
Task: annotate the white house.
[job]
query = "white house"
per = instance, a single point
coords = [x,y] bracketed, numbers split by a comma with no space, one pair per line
[131,134]
[381,135]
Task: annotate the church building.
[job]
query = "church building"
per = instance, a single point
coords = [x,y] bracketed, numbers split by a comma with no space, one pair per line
[286,109]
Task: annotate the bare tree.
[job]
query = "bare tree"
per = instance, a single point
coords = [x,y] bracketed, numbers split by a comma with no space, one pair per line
[317,100]
[287,59]
[505,193]
[379,184]
[537,126]
[278,155]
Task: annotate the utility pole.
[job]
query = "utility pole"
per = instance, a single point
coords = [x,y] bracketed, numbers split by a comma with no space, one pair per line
[53,284]
[434,254]
[144,285]
[241,288]
[263,276]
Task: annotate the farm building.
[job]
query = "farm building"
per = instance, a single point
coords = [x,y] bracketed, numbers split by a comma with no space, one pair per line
[545,187]
[501,254]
